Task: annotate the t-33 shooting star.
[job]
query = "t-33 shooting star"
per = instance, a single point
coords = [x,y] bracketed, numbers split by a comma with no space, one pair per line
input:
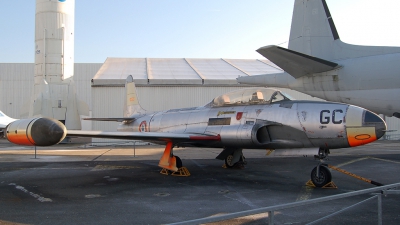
[254,118]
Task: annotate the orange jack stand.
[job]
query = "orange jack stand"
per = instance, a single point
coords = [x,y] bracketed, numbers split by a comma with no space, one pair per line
[164,171]
[168,160]
[182,172]
[329,185]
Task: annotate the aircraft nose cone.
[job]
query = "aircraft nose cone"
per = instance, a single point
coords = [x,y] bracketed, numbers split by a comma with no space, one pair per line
[363,126]
[372,119]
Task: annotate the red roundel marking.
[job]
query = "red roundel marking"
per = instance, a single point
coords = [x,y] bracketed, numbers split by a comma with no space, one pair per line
[143,126]
[362,137]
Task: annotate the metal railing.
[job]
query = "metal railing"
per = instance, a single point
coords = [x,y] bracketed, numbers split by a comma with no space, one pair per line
[271,209]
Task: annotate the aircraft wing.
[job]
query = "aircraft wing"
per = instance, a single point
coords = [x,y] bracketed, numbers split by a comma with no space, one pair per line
[128,119]
[295,63]
[117,119]
[145,136]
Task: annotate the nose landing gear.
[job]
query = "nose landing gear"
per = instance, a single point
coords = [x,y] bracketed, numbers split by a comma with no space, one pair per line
[320,175]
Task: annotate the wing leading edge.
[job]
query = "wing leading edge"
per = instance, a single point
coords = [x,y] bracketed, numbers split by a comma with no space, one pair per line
[295,63]
[122,119]
[145,136]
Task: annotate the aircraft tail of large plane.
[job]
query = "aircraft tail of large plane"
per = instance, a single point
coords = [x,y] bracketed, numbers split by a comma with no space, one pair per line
[313,31]
[314,43]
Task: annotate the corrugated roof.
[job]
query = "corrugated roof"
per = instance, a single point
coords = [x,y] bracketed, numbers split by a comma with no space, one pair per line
[179,71]
[171,71]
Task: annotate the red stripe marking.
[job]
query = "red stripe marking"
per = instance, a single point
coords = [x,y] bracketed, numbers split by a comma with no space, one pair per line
[206,138]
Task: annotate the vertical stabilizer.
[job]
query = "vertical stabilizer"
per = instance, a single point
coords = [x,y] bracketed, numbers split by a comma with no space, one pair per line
[132,105]
[313,31]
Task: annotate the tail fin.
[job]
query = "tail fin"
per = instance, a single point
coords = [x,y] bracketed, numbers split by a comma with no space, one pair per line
[313,31]
[132,105]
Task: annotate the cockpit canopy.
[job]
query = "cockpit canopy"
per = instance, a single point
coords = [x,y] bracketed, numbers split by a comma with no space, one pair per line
[251,96]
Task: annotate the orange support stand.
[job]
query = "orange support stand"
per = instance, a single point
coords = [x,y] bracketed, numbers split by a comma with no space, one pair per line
[168,160]
[182,172]
[329,185]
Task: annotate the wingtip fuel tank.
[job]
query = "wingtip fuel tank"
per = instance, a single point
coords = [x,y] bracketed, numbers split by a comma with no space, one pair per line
[35,132]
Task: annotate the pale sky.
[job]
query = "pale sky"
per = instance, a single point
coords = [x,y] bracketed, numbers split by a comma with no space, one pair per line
[231,29]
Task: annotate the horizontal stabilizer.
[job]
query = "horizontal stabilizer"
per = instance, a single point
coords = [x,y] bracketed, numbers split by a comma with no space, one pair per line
[295,63]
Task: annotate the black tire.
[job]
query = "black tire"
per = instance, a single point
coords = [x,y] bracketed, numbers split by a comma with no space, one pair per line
[178,162]
[324,177]
[228,161]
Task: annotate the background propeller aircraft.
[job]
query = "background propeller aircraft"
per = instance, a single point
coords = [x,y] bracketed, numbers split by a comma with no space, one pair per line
[255,118]
[318,63]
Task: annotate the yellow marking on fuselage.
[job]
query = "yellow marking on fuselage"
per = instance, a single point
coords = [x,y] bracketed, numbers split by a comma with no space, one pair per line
[225,112]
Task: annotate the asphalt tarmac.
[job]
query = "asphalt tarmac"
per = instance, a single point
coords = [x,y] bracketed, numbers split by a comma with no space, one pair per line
[117,185]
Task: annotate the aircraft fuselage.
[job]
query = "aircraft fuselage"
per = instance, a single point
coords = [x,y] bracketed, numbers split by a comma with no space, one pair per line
[280,125]
[370,82]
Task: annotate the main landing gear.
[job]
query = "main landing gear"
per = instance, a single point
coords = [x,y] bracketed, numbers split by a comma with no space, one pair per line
[230,163]
[320,175]
[233,157]
[170,162]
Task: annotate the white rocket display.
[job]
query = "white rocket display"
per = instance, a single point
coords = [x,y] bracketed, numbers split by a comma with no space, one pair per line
[54,92]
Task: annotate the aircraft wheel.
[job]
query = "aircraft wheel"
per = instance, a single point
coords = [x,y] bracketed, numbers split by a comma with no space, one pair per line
[178,162]
[324,177]
[228,161]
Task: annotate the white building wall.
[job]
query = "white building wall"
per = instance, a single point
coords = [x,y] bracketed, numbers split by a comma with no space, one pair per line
[16,80]
[16,84]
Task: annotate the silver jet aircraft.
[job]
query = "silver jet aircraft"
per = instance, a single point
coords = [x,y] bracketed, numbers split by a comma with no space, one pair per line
[318,63]
[255,118]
